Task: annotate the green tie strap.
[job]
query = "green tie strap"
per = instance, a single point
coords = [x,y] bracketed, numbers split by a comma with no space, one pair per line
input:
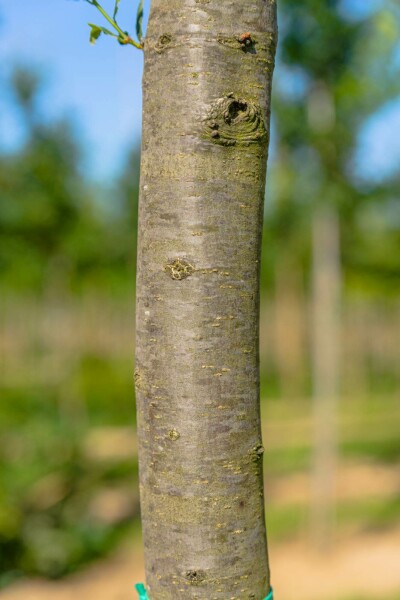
[141,590]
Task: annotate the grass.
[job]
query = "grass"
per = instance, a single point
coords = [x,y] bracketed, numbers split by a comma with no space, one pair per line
[298,458]
[49,483]
[293,520]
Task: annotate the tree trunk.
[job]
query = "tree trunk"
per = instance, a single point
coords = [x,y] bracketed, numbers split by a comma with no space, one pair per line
[326,344]
[206,87]
[289,326]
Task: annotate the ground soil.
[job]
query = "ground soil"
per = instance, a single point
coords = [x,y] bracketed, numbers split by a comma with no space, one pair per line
[363,567]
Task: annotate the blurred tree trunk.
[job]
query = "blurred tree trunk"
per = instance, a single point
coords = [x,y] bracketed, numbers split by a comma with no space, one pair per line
[326,325]
[289,326]
[207,86]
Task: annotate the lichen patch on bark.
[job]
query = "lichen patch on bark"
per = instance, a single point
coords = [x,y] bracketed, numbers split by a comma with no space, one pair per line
[243,42]
[179,269]
[257,452]
[174,435]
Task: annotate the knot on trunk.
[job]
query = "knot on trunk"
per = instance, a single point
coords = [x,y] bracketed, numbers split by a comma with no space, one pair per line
[234,121]
[195,577]
[163,42]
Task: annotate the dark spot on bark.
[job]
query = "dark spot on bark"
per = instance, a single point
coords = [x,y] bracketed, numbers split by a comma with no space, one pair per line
[163,42]
[241,503]
[195,577]
[179,269]
[247,43]
[235,108]
[138,379]
[235,121]
[165,39]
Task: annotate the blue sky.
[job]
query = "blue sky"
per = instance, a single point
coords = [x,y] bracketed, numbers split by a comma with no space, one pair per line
[100,86]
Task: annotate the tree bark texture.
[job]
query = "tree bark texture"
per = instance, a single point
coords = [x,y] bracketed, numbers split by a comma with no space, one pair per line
[207,88]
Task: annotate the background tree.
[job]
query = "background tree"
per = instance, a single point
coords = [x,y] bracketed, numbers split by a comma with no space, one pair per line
[50,221]
[331,55]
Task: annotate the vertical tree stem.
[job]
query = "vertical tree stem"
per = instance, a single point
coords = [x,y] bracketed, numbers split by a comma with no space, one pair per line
[205,138]
[326,344]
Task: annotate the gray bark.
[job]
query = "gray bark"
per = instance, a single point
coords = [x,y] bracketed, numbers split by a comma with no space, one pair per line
[206,92]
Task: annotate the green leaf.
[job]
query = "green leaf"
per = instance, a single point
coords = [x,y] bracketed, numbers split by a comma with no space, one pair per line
[116,7]
[96,31]
[139,21]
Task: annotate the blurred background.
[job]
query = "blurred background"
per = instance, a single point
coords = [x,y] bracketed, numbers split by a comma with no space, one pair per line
[330,314]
